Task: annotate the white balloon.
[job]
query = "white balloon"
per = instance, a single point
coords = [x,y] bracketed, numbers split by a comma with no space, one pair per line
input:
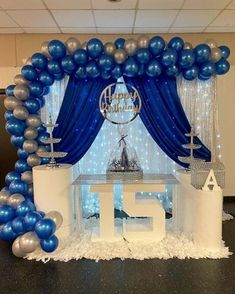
[56,217]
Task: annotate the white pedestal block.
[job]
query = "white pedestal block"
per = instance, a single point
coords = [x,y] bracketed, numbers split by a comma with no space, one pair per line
[53,191]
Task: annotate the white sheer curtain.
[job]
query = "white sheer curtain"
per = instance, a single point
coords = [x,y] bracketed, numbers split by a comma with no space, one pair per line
[197,99]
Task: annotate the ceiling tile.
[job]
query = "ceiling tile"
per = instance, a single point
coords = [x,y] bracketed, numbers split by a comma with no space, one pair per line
[68,4]
[114,18]
[78,30]
[226,18]
[205,4]
[32,18]
[232,5]
[74,18]
[150,30]
[6,21]
[187,30]
[220,29]
[11,30]
[160,4]
[104,4]
[41,30]
[155,18]
[21,4]
[114,30]
[194,18]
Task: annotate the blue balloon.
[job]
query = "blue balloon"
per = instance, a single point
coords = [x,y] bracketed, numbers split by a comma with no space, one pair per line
[57,49]
[202,77]
[106,62]
[18,141]
[45,160]
[67,64]
[156,45]
[45,78]
[94,47]
[41,129]
[119,43]
[7,213]
[22,166]
[59,76]
[80,56]
[45,228]
[81,73]
[153,68]
[22,154]
[54,67]
[141,70]
[130,67]
[36,88]
[18,225]
[105,75]
[39,61]
[202,53]
[92,69]
[186,58]
[11,176]
[207,69]
[7,233]
[190,73]
[30,220]
[15,127]
[49,245]
[24,207]
[172,71]
[32,105]
[176,43]
[169,57]
[43,136]
[117,71]
[41,213]
[10,90]
[225,51]
[222,66]
[29,72]
[143,55]
[8,115]
[41,100]
[46,90]
[18,186]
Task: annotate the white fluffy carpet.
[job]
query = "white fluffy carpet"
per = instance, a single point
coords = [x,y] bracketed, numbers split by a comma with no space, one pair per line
[173,245]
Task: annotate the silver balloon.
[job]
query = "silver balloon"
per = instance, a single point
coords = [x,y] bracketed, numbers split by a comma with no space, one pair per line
[72,44]
[188,45]
[30,146]
[27,61]
[109,48]
[4,195]
[30,189]
[143,41]
[21,112]
[120,56]
[33,160]
[56,217]
[16,250]
[44,49]
[27,177]
[33,120]
[216,54]
[83,46]
[28,242]
[211,43]
[11,102]
[30,133]
[15,199]
[21,91]
[131,46]
[19,79]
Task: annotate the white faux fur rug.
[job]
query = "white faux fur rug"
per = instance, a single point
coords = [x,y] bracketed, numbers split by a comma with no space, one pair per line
[173,245]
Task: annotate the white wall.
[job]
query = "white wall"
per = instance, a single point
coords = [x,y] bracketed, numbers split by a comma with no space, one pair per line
[226,102]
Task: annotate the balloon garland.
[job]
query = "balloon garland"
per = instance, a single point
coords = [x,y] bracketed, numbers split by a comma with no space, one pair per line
[19,220]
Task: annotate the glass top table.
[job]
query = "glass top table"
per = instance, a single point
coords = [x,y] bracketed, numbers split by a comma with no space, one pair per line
[101,179]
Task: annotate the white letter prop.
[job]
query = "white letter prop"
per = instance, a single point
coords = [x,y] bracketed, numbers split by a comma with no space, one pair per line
[139,229]
[211,181]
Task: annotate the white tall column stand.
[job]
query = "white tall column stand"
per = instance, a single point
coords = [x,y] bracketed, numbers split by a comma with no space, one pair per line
[53,191]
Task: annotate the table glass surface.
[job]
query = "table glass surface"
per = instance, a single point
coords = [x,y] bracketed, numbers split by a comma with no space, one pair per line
[101,179]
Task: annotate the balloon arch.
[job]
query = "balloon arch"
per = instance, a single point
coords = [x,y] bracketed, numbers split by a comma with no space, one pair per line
[19,219]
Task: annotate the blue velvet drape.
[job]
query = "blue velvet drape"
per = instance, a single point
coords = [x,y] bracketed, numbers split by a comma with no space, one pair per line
[162,114]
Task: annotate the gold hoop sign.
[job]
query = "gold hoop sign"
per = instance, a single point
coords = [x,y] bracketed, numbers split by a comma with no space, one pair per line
[120,103]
